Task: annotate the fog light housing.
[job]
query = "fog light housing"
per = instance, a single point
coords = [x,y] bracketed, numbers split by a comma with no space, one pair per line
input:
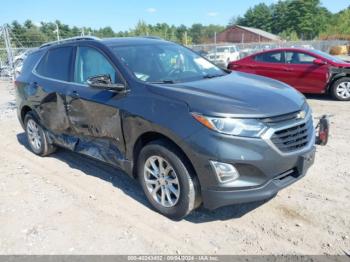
[224,172]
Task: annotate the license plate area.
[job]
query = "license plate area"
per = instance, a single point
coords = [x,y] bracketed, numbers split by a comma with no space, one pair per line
[306,161]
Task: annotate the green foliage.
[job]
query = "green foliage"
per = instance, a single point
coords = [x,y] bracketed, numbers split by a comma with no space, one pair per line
[292,19]
[260,16]
[29,34]
[339,26]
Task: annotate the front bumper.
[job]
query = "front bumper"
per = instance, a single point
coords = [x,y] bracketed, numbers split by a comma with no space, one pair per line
[263,169]
[214,198]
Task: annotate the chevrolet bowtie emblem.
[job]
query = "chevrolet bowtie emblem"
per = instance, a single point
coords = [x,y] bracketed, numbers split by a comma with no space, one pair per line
[301,115]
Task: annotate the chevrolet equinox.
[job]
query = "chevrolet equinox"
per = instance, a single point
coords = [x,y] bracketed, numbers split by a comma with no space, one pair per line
[190,132]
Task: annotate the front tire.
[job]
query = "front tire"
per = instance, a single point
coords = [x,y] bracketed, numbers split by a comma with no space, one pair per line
[167,180]
[36,136]
[341,89]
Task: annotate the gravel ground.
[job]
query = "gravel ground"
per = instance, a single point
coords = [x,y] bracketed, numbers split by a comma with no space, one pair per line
[69,204]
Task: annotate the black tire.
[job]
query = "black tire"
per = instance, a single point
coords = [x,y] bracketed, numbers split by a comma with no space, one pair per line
[335,86]
[189,196]
[45,147]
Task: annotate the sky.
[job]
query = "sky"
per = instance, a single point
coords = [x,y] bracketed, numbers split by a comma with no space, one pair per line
[123,15]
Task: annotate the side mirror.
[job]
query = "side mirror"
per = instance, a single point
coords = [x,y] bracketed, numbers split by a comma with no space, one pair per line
[104,82]
[319,62]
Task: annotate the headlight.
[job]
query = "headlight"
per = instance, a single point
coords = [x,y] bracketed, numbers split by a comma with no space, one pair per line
[233,126]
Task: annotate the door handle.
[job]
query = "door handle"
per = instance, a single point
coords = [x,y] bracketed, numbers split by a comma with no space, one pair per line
[74,94]
[287,69]
[34,84]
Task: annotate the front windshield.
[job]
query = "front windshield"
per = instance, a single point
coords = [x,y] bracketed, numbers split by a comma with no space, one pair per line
[165,63]
[222,49]
[327,56]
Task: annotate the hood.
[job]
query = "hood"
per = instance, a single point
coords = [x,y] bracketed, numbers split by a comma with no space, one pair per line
[236,94]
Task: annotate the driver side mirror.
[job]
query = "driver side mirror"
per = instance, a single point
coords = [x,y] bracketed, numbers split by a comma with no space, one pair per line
[319,62]
[104,82]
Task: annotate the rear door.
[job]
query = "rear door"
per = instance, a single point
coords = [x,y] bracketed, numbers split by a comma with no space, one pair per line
[94,113]
[49,86]
[269,64]
[304,75]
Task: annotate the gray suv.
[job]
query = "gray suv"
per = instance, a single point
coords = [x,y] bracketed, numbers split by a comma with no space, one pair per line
[190,132]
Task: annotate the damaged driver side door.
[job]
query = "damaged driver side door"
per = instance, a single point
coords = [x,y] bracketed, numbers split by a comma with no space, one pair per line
[94,113]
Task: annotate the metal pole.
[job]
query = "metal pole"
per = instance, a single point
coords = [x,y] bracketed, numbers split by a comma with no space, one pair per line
[215,47]
[57,32]
[8,49]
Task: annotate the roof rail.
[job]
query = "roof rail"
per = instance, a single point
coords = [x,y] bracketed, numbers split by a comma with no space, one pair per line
[71,39]
[152,37]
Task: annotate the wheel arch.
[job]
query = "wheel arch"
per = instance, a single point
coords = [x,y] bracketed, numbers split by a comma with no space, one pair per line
[151,136]
[335,78]
[24,110]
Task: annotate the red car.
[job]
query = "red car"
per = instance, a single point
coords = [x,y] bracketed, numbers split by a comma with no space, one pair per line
[307,70]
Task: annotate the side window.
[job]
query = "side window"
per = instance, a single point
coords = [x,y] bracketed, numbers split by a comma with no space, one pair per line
[270,57]
[56,63]
[90,62]
[30,62]
[299,58]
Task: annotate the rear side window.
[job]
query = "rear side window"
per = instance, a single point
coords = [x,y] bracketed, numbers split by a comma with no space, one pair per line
[56,63]
[30,62]
[271,57]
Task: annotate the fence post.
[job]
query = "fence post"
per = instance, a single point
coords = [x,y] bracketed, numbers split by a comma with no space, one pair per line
[8,48]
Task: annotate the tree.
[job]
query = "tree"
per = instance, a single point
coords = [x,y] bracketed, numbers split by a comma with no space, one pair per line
[196,32]
[140,29]
[280,17]
[260,16]
[235,20]
[339,26]
[28,24]
[305,18]
[34,37]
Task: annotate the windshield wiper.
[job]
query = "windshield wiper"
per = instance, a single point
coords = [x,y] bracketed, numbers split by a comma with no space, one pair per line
[212,76]
[163,82]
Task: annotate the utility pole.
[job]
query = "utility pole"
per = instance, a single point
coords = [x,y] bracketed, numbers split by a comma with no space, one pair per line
[57,31]
[83,31]
[186,42]
[8,48]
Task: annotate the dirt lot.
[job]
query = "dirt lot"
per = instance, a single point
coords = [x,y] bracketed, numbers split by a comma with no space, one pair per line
[69,204]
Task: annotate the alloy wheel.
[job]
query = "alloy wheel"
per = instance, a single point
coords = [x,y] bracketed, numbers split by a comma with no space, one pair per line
[343,90]
[161,181]
[34,135]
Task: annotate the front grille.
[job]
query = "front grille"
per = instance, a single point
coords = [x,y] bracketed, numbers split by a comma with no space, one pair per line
[212,57]
[293,138]
[281,118]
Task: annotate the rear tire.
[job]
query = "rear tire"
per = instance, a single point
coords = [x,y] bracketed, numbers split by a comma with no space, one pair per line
[340,89]
[167,180]
[37,137]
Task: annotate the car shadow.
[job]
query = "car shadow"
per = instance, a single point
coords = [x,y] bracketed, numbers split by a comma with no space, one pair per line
[130,186]
[323,97]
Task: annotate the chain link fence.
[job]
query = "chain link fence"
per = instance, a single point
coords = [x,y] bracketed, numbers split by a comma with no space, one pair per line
[233,51]
[323,45]
[19,54]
